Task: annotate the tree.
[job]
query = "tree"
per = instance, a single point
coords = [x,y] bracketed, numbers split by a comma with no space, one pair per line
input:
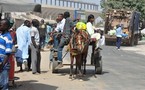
[138,5]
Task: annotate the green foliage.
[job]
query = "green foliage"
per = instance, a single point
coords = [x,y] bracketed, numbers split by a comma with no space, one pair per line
[138,5]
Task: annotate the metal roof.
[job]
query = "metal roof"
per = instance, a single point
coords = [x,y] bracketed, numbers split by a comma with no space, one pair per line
[19,6]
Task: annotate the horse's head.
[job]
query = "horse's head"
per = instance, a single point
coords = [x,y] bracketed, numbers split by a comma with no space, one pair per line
[77,42]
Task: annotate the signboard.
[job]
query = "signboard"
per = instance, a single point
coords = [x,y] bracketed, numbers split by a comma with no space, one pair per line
[80,14]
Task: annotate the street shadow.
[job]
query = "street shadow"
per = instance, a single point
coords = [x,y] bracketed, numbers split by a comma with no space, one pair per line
[19,71]
[90,73]
[104,72]
[44,72]
[46,50]
[66,71]
[29,71]
[32,85]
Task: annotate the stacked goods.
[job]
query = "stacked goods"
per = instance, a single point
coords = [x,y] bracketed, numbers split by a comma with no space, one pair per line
[112,32]
[129,21]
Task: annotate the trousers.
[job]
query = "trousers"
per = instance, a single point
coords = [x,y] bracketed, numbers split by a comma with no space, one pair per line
[118,42]
[35,59]
[42,42]
[59,45]
[4,80]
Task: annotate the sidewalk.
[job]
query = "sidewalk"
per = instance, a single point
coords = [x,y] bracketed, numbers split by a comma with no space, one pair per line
[139,49]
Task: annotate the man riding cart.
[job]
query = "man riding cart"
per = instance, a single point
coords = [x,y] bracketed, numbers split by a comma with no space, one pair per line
[61,36]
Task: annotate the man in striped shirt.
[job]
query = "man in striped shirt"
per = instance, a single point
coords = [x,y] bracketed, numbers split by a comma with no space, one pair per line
[5,51]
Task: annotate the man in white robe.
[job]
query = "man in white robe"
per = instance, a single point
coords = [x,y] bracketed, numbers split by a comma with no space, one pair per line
[23,42]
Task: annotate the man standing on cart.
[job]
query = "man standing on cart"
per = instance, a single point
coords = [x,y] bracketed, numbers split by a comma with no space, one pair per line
[64,26]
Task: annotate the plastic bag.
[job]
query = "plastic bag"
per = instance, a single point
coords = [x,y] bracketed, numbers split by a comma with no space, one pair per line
[81,26]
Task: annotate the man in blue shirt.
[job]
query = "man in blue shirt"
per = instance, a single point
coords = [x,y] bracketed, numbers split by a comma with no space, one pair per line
[119,36]
[49,30]
[5,51]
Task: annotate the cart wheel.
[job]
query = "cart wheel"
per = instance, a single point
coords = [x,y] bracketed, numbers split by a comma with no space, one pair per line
[54,65]
[107,43]
[99,67]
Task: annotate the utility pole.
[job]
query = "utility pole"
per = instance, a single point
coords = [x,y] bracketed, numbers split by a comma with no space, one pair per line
[46,2]
[59,2]
[55,2]
[50,2]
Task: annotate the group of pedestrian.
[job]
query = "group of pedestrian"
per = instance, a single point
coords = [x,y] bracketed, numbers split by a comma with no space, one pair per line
[32,36]
[30,40]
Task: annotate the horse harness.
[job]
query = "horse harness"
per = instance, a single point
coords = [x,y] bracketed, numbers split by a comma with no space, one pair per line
[79,41]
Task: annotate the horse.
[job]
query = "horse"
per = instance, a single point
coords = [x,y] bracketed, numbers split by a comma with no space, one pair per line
[78,46]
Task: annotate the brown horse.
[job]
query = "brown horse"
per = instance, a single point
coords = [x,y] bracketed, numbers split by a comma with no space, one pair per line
[78,47]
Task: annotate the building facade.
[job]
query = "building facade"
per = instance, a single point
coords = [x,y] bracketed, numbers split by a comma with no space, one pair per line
[77,9]
[76,4]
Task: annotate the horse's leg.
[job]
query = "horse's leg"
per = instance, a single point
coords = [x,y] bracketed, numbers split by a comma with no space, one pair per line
[71,65]
[85,60]
[76,65]
[79,61]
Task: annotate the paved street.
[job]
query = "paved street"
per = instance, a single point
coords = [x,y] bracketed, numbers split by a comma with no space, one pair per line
[122,70]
